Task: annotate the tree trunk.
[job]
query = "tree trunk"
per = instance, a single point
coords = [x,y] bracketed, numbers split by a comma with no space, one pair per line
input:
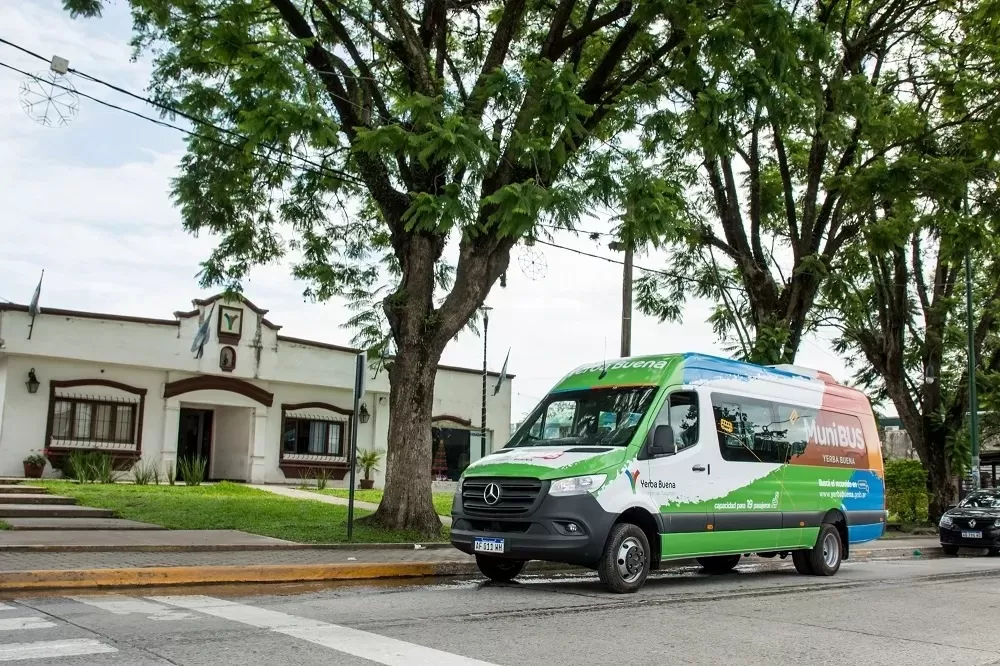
[944,486]
[420,332]
[407,503]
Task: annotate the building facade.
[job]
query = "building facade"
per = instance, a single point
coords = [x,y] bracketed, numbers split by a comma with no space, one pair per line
[256,405]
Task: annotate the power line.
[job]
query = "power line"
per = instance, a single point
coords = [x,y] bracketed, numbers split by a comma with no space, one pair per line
[677,276]
[317,168]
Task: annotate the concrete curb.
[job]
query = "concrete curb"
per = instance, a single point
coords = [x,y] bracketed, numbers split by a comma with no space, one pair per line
[173,576]
[296,573]
[209,548]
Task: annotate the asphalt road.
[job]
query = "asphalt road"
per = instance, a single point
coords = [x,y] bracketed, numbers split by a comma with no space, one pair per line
[943,611]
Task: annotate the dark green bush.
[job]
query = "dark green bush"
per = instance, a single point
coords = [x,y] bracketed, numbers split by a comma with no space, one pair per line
[906,491]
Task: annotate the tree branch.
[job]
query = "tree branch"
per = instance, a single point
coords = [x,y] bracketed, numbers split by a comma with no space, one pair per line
[499,46]
[578,36]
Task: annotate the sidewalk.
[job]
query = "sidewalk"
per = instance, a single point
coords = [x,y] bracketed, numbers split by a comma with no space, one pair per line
[114,568]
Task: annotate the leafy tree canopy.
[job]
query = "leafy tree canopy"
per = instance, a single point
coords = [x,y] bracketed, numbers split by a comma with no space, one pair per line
[898,300]
[365,135]
[780,134]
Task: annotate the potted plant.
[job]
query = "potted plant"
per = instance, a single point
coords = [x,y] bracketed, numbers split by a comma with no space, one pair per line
[368,462]
[34,465]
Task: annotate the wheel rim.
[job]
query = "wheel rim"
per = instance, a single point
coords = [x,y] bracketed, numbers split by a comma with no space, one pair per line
[831,550]
[631,560]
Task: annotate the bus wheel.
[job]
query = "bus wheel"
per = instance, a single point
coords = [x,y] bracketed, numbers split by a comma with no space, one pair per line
[625,563]
[719,565]
[498,569]
[825,556]
[800,558]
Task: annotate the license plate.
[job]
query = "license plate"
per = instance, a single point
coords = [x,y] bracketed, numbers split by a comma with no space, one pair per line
[972,535]
[485,545]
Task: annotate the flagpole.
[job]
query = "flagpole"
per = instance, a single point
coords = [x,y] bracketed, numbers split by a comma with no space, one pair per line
[33,307]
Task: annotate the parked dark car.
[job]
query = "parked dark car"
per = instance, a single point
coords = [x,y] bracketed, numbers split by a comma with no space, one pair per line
[974,523]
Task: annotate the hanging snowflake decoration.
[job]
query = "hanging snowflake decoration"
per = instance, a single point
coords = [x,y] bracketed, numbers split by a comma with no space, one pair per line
[532,263]
[50,99]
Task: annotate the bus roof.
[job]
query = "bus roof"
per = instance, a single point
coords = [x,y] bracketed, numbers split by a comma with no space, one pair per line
[686,368]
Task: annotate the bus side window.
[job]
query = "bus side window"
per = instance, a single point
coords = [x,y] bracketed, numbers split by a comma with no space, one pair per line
[748,431]
[684,418]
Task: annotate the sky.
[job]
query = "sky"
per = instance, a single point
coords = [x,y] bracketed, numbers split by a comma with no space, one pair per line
[89,203]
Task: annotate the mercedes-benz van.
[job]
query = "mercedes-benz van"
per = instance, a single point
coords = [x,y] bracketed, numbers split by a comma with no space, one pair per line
[628,463]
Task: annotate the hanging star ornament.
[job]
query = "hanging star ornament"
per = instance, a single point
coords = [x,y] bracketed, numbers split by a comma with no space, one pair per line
[49,99]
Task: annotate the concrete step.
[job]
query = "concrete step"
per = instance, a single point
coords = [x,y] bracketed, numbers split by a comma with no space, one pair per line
[52,511]
[77,524]
[11,489]
[22,498]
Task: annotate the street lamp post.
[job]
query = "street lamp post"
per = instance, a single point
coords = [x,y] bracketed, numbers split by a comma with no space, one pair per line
[486,327]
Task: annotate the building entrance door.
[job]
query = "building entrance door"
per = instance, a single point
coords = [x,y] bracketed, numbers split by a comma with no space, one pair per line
[194,436]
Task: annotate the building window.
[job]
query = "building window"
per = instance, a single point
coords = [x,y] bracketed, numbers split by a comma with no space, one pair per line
[313,437]
[93,420]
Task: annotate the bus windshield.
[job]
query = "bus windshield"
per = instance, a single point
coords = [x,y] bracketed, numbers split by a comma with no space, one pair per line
[590,417]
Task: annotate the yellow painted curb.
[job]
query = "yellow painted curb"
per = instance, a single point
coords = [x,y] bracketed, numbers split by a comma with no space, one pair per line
[277,573]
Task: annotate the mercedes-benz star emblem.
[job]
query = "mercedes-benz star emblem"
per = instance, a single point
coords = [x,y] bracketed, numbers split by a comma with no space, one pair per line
[492,494]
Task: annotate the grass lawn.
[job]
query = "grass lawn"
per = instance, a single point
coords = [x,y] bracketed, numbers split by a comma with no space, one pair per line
[4,525]
[442,501]
[229,506]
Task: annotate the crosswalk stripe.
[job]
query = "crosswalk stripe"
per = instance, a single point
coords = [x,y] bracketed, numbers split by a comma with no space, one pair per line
[18,623]
[122,605]
[373,647]
[51,649]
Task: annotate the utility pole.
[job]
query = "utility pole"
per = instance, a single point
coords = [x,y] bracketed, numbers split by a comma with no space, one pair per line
[971,354]
[486,327]
[626,350]
[973,398]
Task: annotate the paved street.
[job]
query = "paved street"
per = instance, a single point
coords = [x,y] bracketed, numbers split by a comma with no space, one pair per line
[881,612]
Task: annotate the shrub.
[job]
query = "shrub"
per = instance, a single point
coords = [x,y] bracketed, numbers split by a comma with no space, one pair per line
[320,475]
[144,473]
[906,490]
[91,467]
[192,469]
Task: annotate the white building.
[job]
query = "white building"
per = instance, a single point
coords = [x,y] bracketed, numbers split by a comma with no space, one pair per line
[260,406]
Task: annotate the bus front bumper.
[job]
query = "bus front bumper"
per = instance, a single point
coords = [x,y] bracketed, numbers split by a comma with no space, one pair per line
[569,530]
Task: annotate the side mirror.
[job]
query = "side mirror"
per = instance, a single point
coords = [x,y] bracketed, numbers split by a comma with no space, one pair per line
[951,506]
[663,441]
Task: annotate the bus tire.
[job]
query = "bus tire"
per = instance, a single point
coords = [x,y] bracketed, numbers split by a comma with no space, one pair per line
[800,558]
[625,562]
[826,556]
[720,564]
[498,569]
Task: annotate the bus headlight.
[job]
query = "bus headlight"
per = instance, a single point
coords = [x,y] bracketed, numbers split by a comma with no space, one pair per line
[577,485]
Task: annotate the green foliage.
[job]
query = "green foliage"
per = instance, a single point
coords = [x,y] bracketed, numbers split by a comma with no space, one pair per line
[90,467]
[906,490]
[144,473]
[192,469]
[803,118]
[36,459]
[320,476]
[368,461]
